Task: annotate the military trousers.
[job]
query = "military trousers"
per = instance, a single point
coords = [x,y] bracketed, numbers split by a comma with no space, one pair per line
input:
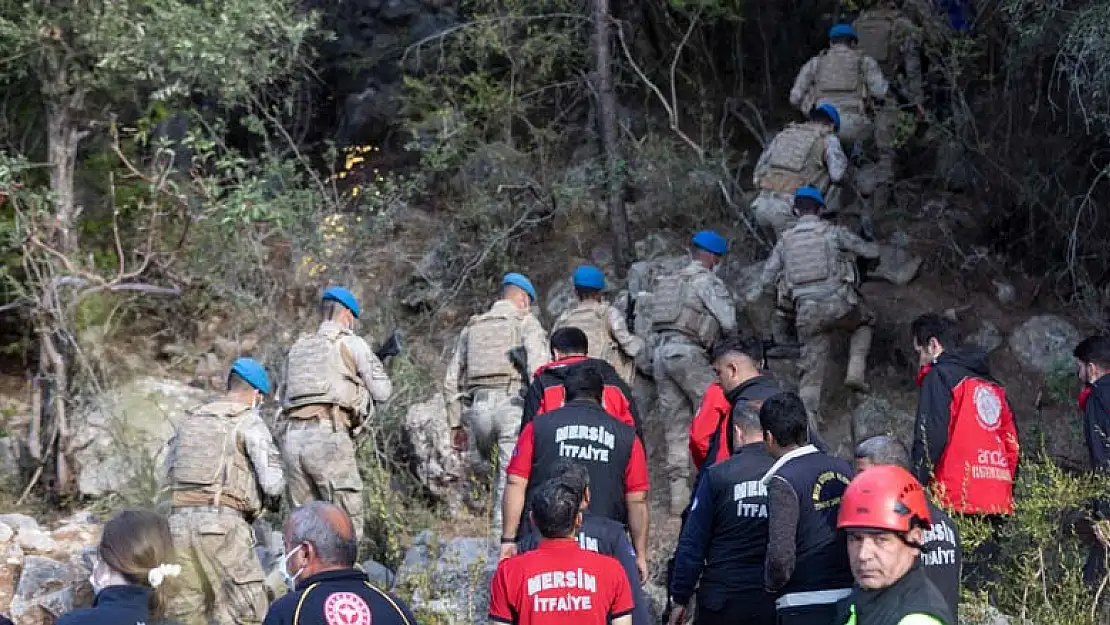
[774,211]
[856,129]
[818,320]
[320,465]
[494,417]
[682,375]
[221,578]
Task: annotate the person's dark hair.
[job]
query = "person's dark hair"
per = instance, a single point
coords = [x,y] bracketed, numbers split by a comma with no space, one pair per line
[884,450]
[133,543]
[848,40]
[310,523]
[745,415]
[1095,350]
[584,293]
[554,509]
[934,326]
[570,341]
[330,309]
[584,382]
[750,346]
[807,206]
[784,416]
[571,474]
[235,382]
[821,115]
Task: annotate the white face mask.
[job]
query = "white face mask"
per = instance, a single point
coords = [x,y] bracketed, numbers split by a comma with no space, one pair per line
[290,578]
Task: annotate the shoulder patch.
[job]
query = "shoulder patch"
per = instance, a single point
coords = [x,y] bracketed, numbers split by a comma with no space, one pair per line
[346,608]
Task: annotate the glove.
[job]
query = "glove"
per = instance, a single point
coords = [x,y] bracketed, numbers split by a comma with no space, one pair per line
[271,503]
[753,294]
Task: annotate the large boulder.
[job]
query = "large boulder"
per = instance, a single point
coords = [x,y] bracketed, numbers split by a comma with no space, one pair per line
[42,572]
[439,467]
[1044,343]
[119,439]
[449,578]
[876,416]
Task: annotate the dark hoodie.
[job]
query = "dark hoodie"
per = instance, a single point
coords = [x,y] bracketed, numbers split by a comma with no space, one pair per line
[546,393]
[1094,403]
[930,433]
[114,605]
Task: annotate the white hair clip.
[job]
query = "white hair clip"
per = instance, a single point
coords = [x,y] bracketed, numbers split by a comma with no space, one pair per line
[158,574]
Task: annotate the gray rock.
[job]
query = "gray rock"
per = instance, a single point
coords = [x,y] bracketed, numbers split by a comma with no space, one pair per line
[121,436]
[13,456]
[875,416]
[988,336]
[560,297]
[43,584]
[896,265]
[1004,292]
[19,522]
[1044,343]
[656,245]
[379,574]
[36,541]
[449,578]
[439,467]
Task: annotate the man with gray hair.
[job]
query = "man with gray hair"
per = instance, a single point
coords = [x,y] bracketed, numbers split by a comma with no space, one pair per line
[319,568]
[941,554]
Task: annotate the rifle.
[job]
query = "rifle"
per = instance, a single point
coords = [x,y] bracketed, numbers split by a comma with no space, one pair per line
[393,346]
[519,357]
[630,315]
[773,350]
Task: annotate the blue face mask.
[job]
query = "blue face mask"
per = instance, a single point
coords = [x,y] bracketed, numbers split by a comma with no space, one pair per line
[290,578]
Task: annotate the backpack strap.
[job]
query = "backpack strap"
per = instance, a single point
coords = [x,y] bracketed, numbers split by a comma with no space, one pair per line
[300,603]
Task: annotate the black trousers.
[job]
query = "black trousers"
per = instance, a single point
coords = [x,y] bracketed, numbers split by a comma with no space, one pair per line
[753,607]
[820,614]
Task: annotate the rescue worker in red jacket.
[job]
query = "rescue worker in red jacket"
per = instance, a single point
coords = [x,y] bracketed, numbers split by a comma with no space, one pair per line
[548,389]
[965,445]
[1092,359]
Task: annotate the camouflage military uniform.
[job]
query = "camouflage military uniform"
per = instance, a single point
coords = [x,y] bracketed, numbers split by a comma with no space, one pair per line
[332,380]
[483,389]
[849,80]
[689,311]
[800,155]
[889,37]
[816,262]
[221,460]
[607,333]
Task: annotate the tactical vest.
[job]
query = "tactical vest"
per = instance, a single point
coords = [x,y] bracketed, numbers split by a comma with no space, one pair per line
[211,460]
[796,158]
[586,434]
[810,256]
[875,29]
[839,79]
[676,307]
[490,336]
[321,370]
[593,319]
[821,556]
[735,557]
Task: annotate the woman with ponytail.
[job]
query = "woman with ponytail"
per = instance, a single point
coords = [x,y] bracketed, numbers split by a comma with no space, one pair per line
[130,571]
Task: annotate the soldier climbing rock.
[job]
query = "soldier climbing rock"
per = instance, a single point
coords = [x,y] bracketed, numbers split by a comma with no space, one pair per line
[605,326]
[690,309]
[483,384]
[333,379]
[222,469]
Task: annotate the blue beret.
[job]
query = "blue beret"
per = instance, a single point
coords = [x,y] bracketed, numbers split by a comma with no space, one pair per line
[833,114]
[842,31]
[811,192]
[343,296]
[253,373]
[711,242]
[520,281]
[589,277]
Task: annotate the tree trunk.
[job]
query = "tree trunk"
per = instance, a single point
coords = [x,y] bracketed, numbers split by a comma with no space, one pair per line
[62,137]
[614,165]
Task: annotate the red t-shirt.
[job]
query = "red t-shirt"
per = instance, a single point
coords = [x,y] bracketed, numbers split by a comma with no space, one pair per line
[559,583]
[635,473]
[711,419]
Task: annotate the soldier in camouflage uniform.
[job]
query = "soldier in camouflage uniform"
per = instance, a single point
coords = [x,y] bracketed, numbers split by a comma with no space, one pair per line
[483,386]
[604,325]
[690,310]
[332,381]
[887,35]
[807,154]
[816,261]
[842,75]
[221,470]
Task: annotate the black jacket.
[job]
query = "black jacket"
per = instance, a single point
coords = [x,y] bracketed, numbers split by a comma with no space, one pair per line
[114,605]
[942,556]
[756,390]
[554,374]
[609,538]
[305,606]
[1096,428]
[913,594]
[930,435]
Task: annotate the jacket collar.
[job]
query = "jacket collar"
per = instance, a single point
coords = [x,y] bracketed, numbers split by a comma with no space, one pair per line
[804,450]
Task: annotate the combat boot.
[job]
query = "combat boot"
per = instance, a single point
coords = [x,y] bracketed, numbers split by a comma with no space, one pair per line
[857,360]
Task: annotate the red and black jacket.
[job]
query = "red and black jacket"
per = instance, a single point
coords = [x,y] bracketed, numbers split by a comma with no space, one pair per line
[546,393]
[1094,402]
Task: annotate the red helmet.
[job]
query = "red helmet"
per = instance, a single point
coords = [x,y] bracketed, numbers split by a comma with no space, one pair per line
[886,498]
